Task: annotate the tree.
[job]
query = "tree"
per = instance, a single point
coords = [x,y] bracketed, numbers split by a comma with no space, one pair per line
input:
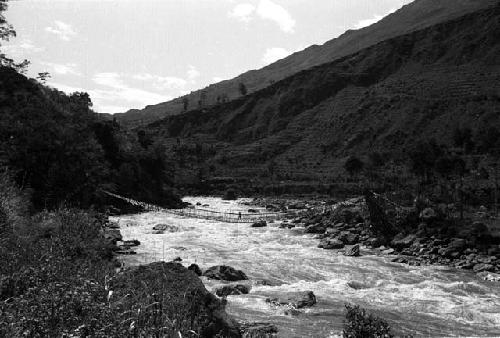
[488,139]
[203,99]
[488,142]
[242,88]
[185,103]
[377,160]
[42,77]
[6,32]
[353,166]
[423,159]
[463,138]
[6,29]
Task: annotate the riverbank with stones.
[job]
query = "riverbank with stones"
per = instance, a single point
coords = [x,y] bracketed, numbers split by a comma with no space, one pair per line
[219,320]
[429,238]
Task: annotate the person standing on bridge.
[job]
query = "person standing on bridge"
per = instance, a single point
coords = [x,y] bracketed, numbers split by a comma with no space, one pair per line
[239,215]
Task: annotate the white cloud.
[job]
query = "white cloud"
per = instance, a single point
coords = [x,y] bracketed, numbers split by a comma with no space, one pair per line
[118,91]
[376,18]
[274,54]
[193,73]
[217,79]
[62,30]
[161,82]
[242,12]
[21,49]
[109,80]
[274,12]
[63,69]
[266,10]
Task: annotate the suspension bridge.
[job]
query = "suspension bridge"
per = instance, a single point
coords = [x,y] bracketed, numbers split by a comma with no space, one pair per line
[219,216]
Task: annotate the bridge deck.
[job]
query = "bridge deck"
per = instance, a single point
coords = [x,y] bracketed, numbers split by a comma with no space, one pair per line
[228,217]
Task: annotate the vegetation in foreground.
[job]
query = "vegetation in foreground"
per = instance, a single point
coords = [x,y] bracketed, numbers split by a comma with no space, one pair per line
[360,324]
[58,278]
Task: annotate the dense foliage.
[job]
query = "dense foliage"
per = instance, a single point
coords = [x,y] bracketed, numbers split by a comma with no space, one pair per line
[57,278]
[360,324]
[65,153]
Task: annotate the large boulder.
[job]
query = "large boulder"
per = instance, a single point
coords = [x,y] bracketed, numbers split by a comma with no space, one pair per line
[352,250]
[112,235]
[224,272]
[178,293]
[330,243]
[381,223]
[196,269]
[481,267]
[428,214]
[257,330]
[159,229]
[259,224]
[228,290]
[402,241]
[296,300]
[457,244]
[332,232]
[348,238]
[317,228]
[489,276]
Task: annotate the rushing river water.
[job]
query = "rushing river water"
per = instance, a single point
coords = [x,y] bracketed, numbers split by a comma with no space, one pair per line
[425,301]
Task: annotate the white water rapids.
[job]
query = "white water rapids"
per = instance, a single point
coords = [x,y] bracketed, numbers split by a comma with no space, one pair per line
[426,301]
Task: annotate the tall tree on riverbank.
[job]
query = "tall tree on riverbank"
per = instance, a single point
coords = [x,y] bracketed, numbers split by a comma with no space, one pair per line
[353,166]
[6,32]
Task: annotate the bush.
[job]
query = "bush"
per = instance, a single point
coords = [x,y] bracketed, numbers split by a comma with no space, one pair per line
[230,195]
[359,324]
[14,205]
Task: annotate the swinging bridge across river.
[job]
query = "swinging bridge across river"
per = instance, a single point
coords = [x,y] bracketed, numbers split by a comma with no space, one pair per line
[227,217]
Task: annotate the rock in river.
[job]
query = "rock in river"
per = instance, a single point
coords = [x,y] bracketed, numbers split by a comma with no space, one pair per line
[352,250]
[165,227]
[227,290]
[330,243]
[295,299]
[348,238]
[224,272]
[259,224]
[113,235]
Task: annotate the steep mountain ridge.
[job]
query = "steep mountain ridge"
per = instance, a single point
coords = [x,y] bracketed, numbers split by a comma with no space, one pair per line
[384,98]
[414,16]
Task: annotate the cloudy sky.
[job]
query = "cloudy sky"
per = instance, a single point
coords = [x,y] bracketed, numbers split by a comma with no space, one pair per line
[131,53]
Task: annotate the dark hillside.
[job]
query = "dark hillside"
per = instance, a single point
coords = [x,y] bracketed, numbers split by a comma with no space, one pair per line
[383,98]
[417,15]
[59,149]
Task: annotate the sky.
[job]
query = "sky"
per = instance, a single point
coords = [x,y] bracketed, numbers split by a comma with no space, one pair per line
[132,53]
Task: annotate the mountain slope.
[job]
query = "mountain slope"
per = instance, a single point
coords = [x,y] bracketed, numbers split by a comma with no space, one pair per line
[382,98]
[417,15]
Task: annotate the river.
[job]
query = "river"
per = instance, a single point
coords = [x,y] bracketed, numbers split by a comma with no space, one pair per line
[425,301]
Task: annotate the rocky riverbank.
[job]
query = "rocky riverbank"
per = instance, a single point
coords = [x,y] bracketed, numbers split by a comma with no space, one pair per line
[177,294]
[411,237]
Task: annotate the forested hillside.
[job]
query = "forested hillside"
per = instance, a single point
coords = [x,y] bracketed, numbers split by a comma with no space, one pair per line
[383,99]
[57,148]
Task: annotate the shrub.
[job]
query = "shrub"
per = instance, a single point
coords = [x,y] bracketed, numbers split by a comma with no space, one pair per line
[13,205]
[359,324]
[230,195]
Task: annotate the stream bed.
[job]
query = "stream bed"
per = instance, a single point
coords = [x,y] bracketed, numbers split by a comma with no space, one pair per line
[424,301]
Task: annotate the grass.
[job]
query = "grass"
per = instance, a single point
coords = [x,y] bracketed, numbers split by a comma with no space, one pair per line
[58,278]
[360,324]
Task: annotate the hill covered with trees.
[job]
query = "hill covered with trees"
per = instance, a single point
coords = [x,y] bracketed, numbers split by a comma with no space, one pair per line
[59,149]
[382,100]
